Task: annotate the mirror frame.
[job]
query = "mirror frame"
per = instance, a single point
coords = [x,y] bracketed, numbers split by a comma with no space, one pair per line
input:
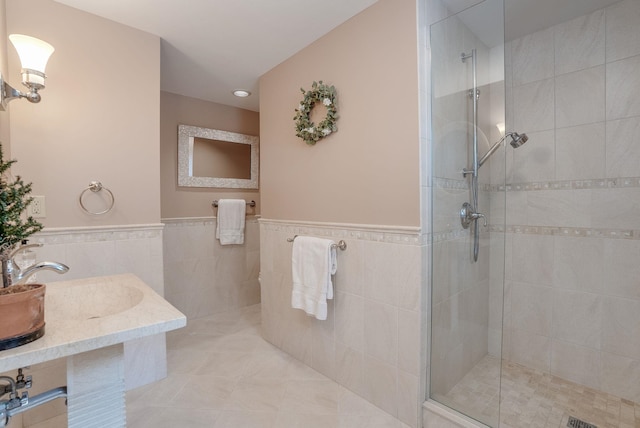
[186,137]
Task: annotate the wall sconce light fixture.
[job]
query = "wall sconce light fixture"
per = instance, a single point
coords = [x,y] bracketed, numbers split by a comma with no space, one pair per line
[34,54]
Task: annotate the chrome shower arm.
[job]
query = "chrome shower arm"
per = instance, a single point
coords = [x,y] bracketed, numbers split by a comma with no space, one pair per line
[492,150]
[518,140]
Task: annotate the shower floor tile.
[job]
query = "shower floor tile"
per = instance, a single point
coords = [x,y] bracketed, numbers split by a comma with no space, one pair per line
[532,398]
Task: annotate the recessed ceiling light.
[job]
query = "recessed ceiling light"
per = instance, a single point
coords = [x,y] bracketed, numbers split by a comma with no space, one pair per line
[241,93]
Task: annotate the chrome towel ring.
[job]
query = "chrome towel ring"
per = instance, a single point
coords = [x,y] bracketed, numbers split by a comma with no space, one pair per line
[95,187]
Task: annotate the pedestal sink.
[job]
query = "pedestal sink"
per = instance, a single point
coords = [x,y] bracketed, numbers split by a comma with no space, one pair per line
[87,321]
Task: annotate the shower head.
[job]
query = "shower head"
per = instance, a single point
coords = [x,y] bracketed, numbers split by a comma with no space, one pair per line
[516,141]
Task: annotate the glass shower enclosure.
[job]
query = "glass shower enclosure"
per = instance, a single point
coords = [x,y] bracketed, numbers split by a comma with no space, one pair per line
[468,201]
[535,261]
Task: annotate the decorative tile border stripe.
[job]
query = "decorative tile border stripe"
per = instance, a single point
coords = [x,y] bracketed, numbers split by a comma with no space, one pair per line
[388,234]
[576,232]
[462,184]
[603,183]
[450,183]
[73,235]
[199,221]
[453,235]
[449,235]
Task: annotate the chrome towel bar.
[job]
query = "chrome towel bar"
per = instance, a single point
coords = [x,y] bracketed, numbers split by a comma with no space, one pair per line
[252,204]
[341,243]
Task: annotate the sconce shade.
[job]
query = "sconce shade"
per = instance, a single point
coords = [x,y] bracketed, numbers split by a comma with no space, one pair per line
[34,54]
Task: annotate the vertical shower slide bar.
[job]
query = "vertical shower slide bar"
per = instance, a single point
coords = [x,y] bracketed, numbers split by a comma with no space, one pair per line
[468,211]
[473,93]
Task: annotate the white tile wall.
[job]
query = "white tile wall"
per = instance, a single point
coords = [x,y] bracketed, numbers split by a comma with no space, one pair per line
[620,376]
[622,92]
[580,97]
[533,107]
[571,271]
[580,152]
[531,308]
[622,36]
[531,57]
[202,277]
[572,296]
[623,147]
[577,363]
[104,251]
[579,43]
[370,342]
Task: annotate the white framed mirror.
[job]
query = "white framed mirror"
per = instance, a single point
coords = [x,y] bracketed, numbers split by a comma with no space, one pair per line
[214,158]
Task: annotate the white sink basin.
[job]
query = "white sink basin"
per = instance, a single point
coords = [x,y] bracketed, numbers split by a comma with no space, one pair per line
[88,314]
[80,302]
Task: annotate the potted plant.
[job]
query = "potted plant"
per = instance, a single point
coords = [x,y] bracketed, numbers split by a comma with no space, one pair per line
[21,306]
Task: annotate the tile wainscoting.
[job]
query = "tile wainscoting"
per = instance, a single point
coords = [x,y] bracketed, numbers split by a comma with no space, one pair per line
[370,342]
[111,250]
[99,251]
[104,250]
[202,277]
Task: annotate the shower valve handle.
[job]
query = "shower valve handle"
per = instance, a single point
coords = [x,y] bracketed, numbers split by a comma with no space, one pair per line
[468,214]
[476,216]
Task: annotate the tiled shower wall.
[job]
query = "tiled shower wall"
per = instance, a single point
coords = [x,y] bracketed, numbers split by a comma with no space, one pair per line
[572,303]
[202,277]
[370,342]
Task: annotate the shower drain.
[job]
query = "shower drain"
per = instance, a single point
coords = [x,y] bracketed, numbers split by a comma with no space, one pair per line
[577,423]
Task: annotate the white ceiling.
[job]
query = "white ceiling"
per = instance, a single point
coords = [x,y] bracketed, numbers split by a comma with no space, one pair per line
[211,47]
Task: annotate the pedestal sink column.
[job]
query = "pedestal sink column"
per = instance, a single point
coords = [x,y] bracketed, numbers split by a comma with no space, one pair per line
[95,388]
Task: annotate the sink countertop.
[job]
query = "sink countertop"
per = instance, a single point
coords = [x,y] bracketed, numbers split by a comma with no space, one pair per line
[73,326]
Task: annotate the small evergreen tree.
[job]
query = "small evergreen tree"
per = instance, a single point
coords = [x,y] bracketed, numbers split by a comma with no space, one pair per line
[14,200]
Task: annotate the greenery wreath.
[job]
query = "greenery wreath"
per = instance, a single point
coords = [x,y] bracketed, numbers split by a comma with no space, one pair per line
[305,128]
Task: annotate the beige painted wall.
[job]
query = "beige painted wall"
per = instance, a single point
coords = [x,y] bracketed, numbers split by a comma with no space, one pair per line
[178,202]
[98,119]
[368,172]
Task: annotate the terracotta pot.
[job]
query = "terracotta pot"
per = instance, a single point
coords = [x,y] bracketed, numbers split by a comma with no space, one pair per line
[22,316]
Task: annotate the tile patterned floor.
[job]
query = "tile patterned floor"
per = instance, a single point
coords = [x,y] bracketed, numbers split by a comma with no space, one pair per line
[222,374]
[531,398]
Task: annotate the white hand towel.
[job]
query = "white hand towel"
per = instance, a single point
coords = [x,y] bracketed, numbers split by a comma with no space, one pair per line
[313,261]
[230,221]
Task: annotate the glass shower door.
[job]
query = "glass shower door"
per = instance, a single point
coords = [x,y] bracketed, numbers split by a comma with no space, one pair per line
[468,164]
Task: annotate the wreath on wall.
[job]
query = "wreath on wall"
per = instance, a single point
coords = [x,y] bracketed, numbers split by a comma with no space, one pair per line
[310,132]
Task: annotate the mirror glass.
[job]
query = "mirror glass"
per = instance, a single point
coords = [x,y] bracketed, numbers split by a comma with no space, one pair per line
[214,158]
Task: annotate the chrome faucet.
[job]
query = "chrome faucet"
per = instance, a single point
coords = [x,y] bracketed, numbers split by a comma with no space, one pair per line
[16,275]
